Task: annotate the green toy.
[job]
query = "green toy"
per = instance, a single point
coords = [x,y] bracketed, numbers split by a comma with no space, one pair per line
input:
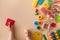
[57,19]
[36,13]
[44,37]
[58,31]
[49,2]
[38,27]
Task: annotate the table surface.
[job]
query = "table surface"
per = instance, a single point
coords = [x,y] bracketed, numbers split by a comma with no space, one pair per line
[22,12]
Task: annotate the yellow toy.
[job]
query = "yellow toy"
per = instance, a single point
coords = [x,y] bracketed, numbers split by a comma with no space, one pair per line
[40,17]
[46,5]
[37,36]
[35,3]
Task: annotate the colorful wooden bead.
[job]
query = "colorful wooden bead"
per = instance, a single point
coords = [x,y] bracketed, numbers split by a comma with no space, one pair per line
[57,19]
[10,22]
[46,5]
[35,3]
[36,13]
[38,27]
[43,9]
[35,23]
[40,2]
[40,22]
[40,17]
[36,10]
[53,24]
[37,36]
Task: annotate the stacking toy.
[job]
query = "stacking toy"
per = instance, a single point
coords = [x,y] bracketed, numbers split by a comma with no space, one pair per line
[10,22]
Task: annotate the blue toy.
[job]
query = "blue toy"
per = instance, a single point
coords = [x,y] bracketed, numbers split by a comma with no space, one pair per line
[36,23]
[53,35]
[40,2]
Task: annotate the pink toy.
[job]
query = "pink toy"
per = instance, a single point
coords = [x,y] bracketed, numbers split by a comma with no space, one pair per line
[43,9]
[10,22]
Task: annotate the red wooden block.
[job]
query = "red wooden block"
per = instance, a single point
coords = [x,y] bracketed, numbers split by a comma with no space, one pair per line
[10,22]
[53,24]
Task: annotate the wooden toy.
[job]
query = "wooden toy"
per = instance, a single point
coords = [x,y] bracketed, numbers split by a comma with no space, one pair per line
[37,36]
[36,10]
[58,31]
[44,37]
[48,12]
[50,36]
[52,17]
[35,3]
[53,24]
[10,22]
[43,9]
[46,5]
[40,2]
[55,9]
[38,27]
[35,23]
[36,13]
[57,19]
[44,17]
[40,22]
[40,17]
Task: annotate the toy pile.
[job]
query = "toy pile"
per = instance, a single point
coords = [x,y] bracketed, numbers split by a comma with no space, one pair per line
[47,15]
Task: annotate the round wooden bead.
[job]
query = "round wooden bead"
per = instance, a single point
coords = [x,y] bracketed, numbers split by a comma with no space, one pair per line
[46,5]
[38,27]
[36,13]
[40,22]
[40,17]
[35,23]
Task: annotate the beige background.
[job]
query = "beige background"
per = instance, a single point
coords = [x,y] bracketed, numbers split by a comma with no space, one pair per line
[19,10]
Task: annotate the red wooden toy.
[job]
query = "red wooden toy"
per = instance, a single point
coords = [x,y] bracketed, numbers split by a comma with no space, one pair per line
[53,24]
[10,22]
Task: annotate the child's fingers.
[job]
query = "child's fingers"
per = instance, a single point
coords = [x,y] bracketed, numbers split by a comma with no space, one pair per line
[28,34]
